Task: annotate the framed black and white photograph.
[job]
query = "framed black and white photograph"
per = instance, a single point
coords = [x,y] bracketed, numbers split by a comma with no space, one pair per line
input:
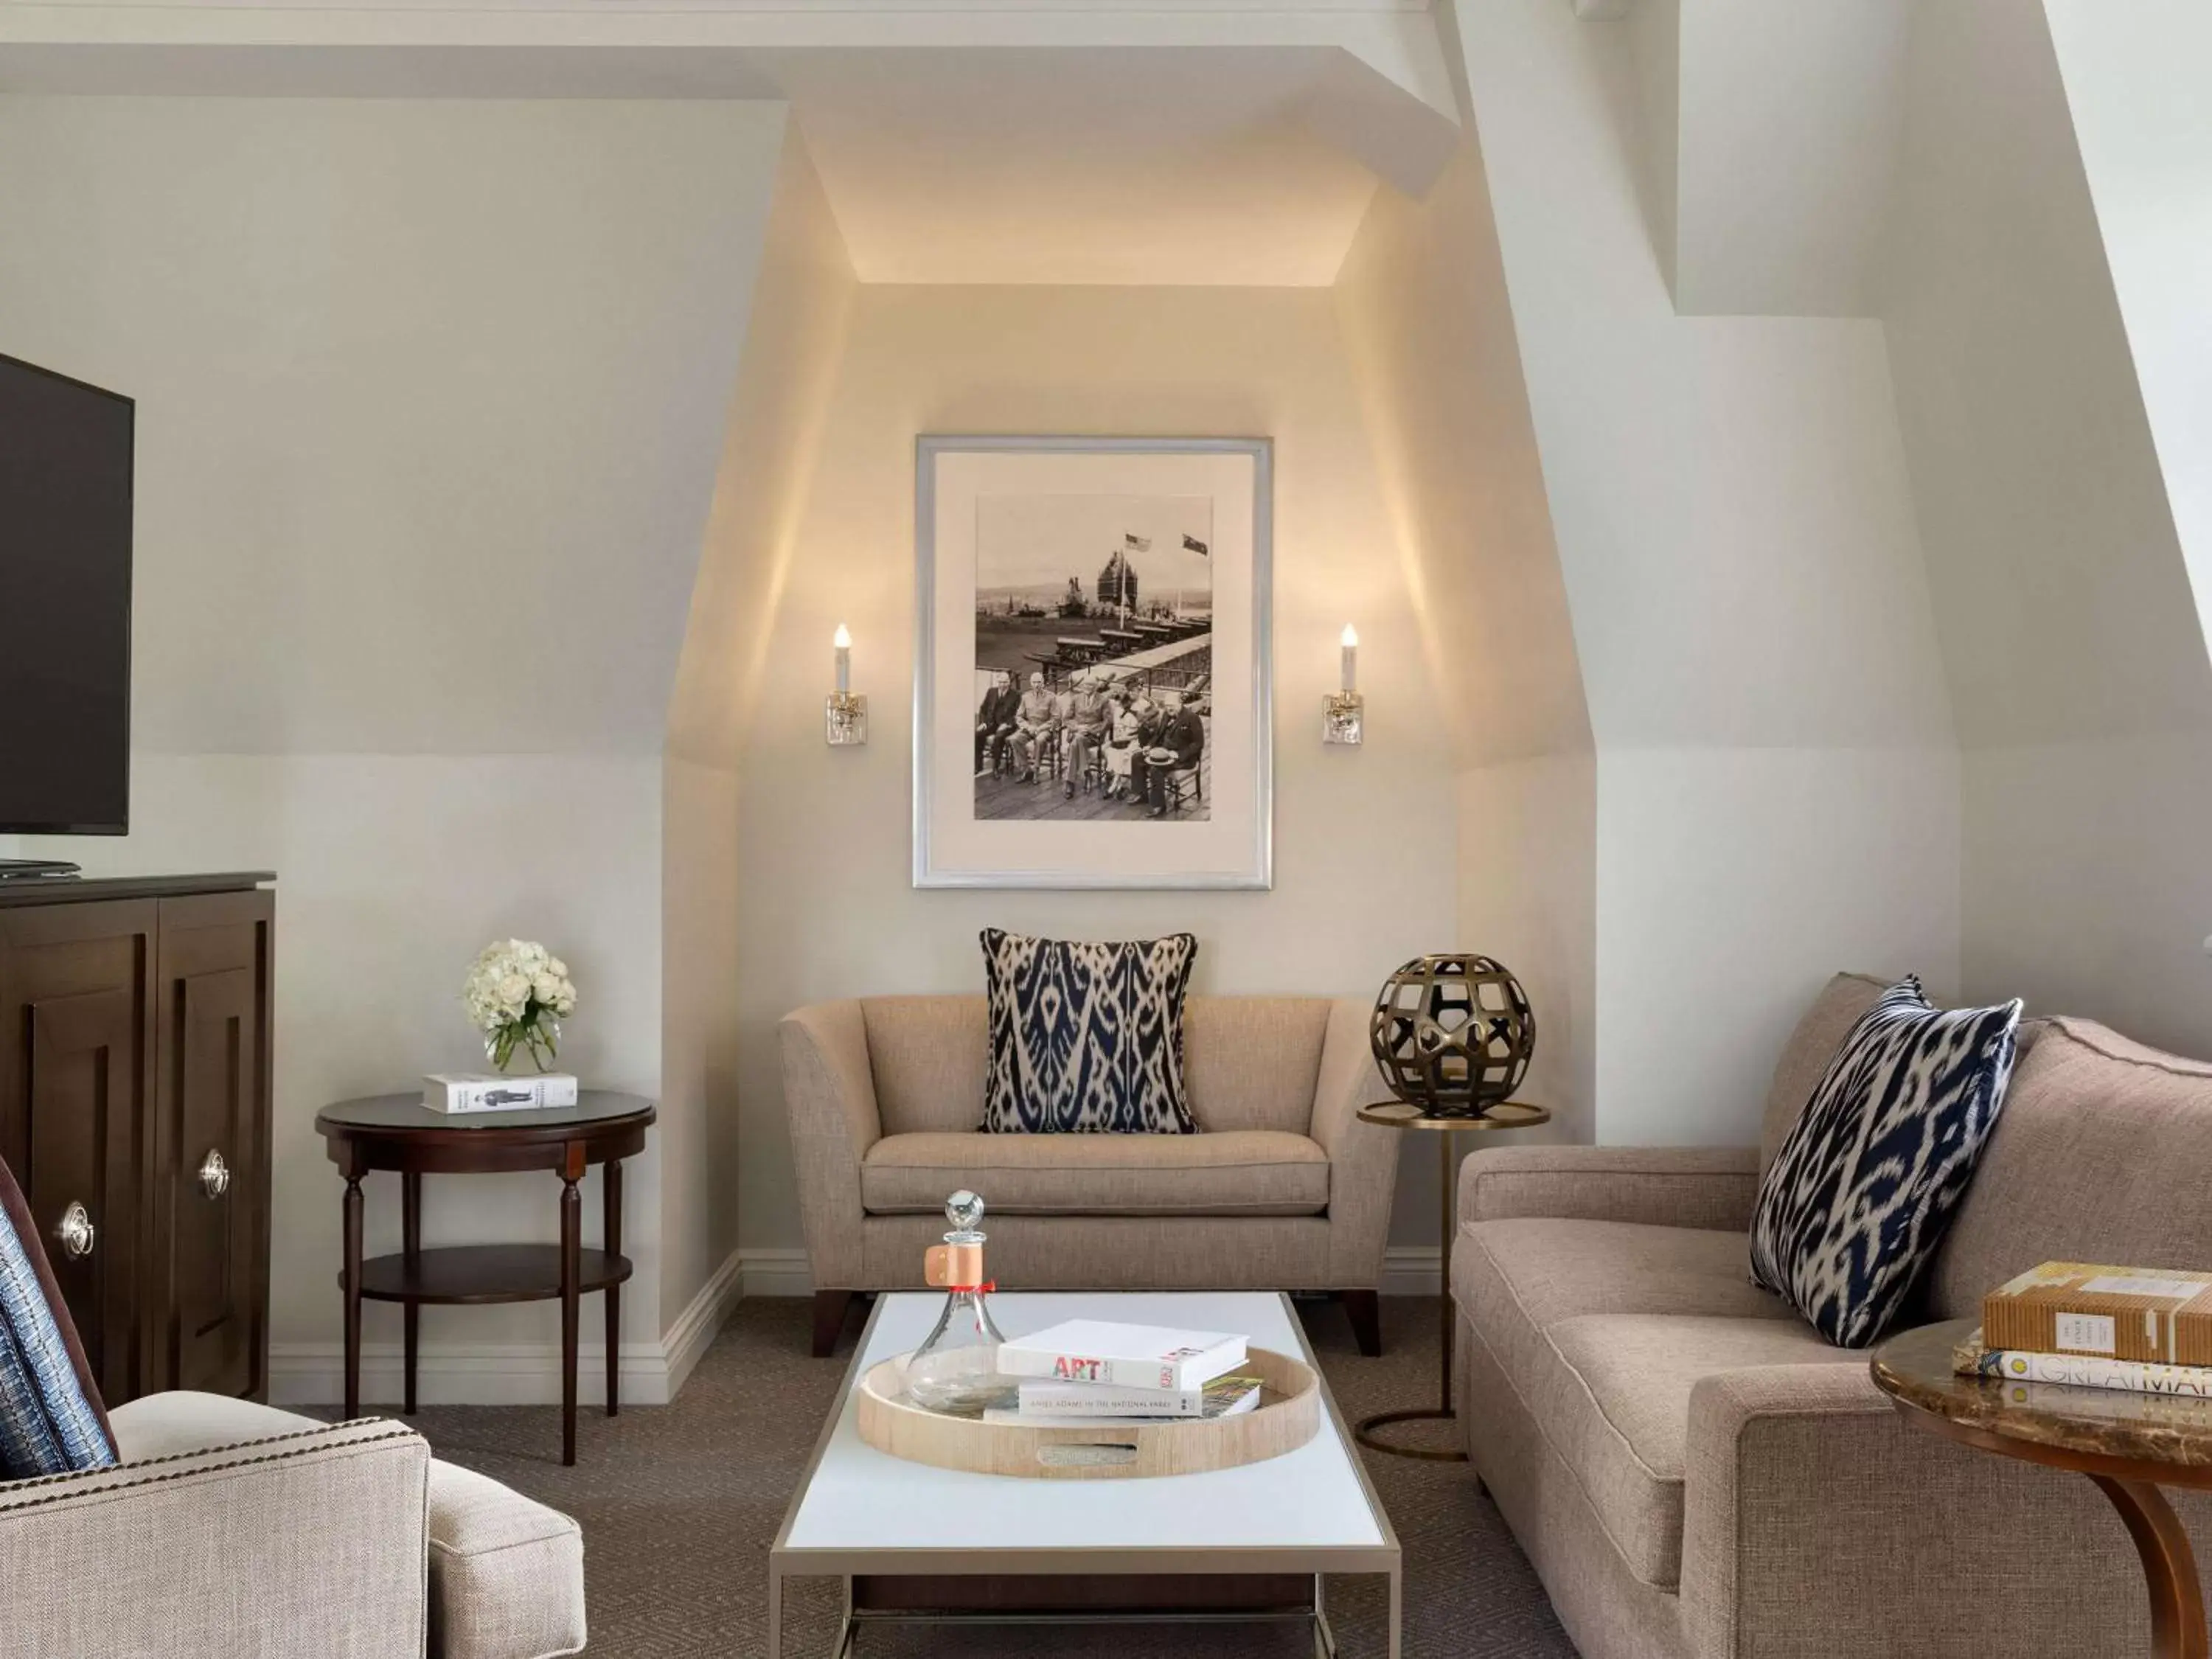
[1091,685]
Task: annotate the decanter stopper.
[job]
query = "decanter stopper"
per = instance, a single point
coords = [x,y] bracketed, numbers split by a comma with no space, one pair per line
[958,1263]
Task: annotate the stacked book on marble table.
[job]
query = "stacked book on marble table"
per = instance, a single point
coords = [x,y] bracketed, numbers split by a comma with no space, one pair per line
[2146,1330]
[1086,1373]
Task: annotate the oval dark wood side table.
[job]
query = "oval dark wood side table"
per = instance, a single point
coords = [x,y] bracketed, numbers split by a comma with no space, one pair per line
[2131,1445]
[398,1132]
[1403,1115]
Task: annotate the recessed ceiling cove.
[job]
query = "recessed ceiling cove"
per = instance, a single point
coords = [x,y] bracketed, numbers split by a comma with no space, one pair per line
[1138,166]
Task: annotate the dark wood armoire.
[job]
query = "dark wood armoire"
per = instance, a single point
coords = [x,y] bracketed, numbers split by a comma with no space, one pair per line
[134,1110]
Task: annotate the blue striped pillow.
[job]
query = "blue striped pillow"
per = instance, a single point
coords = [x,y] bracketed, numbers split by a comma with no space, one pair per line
[1852,1209]
[49,1422]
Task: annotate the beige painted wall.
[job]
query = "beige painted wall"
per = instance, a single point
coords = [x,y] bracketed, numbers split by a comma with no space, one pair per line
[1422,300]
[794,337]
[1364,838]
[430,401]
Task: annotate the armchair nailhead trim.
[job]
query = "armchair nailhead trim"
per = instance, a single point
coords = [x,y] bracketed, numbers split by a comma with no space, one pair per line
[92,1480]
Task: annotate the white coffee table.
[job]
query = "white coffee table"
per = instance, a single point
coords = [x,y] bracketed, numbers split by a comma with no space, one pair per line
[900,1528]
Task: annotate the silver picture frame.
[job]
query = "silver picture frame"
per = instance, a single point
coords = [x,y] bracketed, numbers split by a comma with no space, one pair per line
[1252,866]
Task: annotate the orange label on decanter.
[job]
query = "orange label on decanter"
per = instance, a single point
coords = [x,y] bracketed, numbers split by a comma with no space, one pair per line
[953,1267]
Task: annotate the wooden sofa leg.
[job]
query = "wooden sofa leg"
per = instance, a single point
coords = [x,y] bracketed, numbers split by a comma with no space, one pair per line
[829,1307]
[1365,1309]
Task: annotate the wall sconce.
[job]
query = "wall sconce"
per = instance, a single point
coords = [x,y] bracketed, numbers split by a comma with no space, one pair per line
[1343,716]
[848,715]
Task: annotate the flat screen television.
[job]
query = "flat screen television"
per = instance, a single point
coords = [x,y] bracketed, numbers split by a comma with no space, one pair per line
[65,604]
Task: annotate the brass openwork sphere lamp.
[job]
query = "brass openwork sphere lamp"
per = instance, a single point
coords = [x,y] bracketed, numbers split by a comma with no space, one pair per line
[1453,1034]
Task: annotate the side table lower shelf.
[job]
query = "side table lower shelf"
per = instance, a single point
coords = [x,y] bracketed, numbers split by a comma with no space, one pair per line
[476,1275]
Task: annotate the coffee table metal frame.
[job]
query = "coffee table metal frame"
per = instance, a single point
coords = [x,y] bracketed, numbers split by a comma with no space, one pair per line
[1403,1115]
[786,1561]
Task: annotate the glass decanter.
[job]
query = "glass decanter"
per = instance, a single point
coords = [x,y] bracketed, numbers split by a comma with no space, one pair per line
[956,1369]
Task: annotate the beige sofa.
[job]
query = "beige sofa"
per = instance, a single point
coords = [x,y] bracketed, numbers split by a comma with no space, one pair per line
[1286,1188]
[1694,1472]
[232,1528]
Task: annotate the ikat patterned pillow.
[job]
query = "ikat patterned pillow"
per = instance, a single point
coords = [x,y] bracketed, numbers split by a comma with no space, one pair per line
[1851,1211]
[1086,1039]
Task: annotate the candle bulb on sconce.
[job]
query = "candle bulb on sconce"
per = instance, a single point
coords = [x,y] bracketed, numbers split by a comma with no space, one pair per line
[1343,716]
[846,715]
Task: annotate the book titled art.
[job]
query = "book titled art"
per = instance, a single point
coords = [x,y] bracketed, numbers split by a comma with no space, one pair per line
[1130,1356]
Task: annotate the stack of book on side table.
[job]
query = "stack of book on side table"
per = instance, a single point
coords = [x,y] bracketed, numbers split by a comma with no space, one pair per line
[1086,1373]
[2148,1330]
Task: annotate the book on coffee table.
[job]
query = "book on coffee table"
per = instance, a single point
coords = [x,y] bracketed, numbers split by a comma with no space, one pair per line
[1131,1356]
[1089,1403]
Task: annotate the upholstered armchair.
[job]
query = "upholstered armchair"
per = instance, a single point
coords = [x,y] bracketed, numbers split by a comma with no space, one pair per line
[232,1529]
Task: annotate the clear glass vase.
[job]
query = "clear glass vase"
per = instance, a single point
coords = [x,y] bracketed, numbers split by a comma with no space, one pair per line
[956,1369]
[539,1037]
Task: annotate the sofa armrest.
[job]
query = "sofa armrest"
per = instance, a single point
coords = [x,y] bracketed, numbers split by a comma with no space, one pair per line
[1363,1157]
[1659,1186]
[829,1094]
[310,1542]
[1816,1521]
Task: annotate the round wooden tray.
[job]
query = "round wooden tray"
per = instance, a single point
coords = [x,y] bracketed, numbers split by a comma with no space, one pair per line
[1287,1416]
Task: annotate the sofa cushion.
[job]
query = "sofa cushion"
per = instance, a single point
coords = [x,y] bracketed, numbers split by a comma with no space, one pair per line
[1613,1396]
[1805,1057]
[1515,1279]
[1249,1063]
[1252,1062]
[928,1055]
[1857,1203]
[2103,1153]
[1240,1172]
[1086,1036]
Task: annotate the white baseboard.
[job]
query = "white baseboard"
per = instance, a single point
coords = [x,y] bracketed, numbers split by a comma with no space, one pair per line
[508,1374]
[1407,1270]
[777,1273]
[687,1340]
[1411,1270]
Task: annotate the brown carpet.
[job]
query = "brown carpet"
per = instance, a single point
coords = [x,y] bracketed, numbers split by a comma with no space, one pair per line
[679,1505]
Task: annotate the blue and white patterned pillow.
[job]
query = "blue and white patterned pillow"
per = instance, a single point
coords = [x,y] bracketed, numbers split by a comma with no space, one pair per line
[1856,1202]
[1086,1038]
[50,1418]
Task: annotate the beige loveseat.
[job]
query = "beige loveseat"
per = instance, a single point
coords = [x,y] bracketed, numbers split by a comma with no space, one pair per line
[1694,1472]
[232,1528]
[1285,1189]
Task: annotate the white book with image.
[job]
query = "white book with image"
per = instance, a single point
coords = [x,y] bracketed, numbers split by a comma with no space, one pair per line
[1086,1405]
[1128,1356]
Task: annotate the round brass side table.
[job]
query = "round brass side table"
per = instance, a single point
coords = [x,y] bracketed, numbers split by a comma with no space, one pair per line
[1401,1115]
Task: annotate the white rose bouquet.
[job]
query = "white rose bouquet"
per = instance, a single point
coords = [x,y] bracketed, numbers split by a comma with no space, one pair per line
[517,994]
